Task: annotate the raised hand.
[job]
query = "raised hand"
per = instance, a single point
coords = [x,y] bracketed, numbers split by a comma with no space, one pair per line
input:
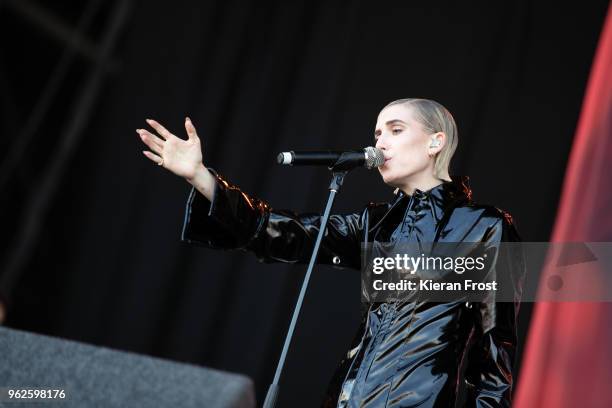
[181,157]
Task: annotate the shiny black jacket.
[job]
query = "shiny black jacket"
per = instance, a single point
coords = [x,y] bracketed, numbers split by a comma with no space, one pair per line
[410,354]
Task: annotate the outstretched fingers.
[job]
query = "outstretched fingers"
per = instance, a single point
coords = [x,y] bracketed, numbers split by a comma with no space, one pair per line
[191,130]
[163,132]
[153,157]
[153,142]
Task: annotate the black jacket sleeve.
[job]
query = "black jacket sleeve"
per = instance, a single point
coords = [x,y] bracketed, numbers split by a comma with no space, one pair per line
[235,220]
[489,374]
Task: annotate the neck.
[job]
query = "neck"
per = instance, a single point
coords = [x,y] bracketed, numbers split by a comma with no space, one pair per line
[423,182]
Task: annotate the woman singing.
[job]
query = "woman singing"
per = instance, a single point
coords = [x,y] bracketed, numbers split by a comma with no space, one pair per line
[405,354]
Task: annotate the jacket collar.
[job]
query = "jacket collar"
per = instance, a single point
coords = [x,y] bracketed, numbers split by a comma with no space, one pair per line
[447,192]
[440,198]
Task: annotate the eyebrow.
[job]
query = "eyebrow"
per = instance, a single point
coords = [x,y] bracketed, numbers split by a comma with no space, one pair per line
[392,121]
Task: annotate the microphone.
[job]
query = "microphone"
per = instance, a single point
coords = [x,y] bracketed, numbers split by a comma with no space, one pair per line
[369,157]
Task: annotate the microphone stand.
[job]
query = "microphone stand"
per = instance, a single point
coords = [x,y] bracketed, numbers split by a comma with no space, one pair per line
[338,173]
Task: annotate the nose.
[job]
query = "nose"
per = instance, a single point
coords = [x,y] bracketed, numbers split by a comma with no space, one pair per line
[380,144]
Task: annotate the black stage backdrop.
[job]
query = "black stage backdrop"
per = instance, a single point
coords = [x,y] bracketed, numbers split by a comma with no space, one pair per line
[106,265]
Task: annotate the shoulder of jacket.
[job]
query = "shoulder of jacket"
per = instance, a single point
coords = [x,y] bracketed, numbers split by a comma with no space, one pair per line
[499,220]
[492,212]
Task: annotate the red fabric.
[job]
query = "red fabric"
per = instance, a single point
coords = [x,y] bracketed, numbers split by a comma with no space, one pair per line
[568,356]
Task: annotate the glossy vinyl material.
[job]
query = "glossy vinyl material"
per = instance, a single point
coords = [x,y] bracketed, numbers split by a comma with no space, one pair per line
[411,354]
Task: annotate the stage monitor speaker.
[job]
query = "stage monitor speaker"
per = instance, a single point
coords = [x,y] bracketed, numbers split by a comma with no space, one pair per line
[99,377]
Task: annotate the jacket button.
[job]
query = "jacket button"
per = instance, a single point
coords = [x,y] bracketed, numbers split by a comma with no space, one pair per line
[468,305]
[336,260]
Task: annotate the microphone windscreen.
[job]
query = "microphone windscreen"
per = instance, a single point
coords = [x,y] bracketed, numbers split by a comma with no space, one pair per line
[374,157]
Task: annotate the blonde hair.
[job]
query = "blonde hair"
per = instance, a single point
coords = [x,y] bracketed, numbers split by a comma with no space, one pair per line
[434,118]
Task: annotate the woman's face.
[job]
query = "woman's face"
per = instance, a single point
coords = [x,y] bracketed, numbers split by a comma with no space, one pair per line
[405,145]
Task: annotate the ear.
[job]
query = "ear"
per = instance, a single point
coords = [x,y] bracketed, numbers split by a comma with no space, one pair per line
[436,142]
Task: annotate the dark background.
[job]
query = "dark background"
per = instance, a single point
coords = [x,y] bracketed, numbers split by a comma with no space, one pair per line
[91,228]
